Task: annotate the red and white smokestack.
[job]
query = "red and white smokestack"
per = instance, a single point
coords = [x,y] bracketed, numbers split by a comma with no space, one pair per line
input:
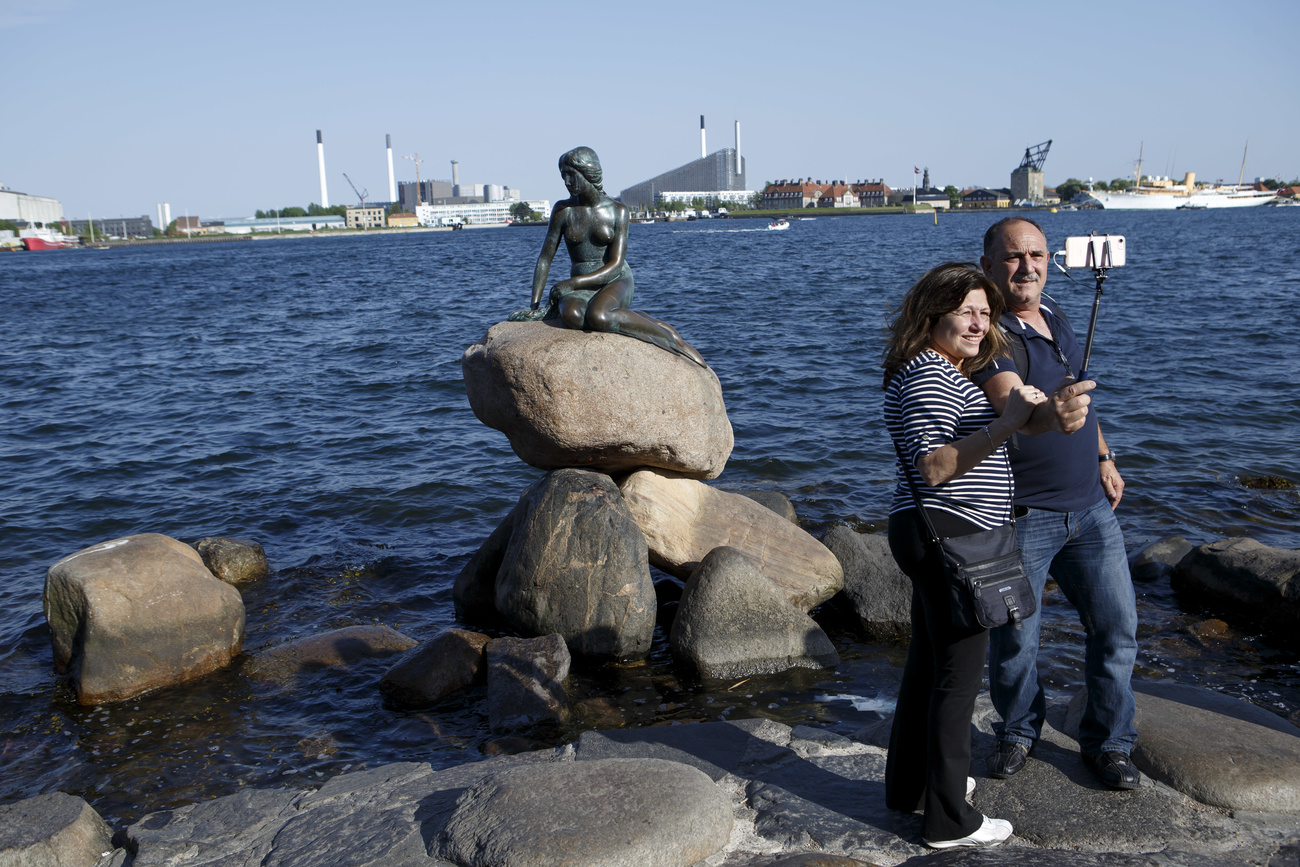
[392,184]
[320,161]
[703,153]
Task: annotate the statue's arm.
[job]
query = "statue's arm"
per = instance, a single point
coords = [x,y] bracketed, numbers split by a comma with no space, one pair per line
[544,259]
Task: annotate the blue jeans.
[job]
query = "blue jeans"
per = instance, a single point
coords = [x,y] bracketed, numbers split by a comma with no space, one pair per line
[1084,552]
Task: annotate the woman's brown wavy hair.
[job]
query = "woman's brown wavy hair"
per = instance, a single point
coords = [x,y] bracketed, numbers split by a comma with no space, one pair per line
[940,291]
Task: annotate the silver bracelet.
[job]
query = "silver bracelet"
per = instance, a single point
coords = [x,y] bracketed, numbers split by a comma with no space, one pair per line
[990,436]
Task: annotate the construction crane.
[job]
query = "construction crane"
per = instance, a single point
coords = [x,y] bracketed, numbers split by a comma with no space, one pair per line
[1035,157]
[360,195]
[416,159]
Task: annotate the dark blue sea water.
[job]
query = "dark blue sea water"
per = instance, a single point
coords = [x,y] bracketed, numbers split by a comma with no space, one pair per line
[307,393]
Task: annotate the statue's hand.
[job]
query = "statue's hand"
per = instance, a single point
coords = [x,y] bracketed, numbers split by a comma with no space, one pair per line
[528,314]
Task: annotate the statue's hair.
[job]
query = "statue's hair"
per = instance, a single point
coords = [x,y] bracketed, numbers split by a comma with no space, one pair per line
[584,159]
[940,291]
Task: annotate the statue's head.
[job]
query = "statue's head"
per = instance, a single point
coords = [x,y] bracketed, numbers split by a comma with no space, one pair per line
[585,161]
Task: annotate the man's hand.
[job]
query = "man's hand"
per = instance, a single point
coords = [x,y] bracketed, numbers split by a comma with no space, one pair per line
[1069,406]
[1111,483]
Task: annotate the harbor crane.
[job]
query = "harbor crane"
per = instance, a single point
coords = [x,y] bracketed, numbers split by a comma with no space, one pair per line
[416,159]
[1035,157]
[360,195]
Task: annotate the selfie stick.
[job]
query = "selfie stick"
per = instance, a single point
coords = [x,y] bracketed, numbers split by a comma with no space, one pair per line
[1100,271]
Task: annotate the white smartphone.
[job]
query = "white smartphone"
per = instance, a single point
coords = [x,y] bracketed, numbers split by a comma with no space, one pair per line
[1094,251]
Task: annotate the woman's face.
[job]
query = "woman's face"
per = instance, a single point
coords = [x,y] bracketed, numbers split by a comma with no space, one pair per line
[574,181]
[957,335]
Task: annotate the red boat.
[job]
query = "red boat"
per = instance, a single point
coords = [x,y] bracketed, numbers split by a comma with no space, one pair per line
[43,238]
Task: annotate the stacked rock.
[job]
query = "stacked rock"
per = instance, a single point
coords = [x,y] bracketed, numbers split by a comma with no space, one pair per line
[628,435]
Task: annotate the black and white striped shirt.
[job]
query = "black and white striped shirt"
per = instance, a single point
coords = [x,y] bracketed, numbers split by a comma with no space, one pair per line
[928,404]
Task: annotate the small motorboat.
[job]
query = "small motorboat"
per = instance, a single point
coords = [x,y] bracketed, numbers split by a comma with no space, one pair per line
[778,225]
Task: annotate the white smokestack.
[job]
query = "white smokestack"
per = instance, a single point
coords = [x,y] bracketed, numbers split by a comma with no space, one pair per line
[392,184]
[738,169]
[455,178]
[703,153]
[320,161]
[167,215]
[163,226]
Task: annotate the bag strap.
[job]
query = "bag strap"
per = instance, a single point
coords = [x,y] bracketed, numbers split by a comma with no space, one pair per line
[916,494]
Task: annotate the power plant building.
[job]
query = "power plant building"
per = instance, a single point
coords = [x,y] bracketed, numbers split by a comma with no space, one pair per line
[717,178]
[22,208]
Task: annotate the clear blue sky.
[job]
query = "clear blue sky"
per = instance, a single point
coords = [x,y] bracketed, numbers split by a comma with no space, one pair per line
[213,107]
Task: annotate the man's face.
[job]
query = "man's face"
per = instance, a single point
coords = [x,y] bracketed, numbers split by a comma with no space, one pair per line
[1017,264]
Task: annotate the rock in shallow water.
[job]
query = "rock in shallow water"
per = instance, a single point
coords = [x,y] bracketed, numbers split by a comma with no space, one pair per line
[52,830]
[567,398]
[427,673]
[733,622]
[139,613]
[577,565]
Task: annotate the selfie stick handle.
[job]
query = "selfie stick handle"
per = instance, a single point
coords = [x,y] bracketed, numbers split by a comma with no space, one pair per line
[1092,325]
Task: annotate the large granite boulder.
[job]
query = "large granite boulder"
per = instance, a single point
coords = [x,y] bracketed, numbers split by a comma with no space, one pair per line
[525,680]
[733,622]
[877,591]
[428,672]
[577,565]
[566,398]
[52,830]
[683,520]
[601,813]
[138,613]
[1158,560]
[1240,574]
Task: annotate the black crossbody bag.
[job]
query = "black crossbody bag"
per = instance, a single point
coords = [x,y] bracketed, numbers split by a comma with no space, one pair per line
[986,577]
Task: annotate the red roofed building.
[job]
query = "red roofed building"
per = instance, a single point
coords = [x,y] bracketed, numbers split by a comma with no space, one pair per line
[838,194]
[872,194]
[789,195]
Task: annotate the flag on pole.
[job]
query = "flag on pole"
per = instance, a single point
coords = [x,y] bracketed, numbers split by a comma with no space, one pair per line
[915,170]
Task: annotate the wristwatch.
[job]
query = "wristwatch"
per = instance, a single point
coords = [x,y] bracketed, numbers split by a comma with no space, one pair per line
[1109,456]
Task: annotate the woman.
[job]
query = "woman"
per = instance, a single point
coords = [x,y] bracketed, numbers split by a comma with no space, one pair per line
[951,444]
[598,293]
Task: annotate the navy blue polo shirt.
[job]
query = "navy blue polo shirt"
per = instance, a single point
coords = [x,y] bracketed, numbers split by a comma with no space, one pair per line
[1053,470]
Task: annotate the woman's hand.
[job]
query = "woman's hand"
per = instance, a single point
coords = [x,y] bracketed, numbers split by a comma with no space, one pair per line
[1021,401]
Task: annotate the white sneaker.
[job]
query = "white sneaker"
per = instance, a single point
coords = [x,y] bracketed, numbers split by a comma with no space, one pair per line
[970,786]
[990,833]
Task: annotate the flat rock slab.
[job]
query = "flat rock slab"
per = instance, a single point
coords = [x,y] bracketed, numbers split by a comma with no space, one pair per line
[1218,750]
[52,830]
[567,398]
[1259,581]
[608,813]
[138,613]
[684,519]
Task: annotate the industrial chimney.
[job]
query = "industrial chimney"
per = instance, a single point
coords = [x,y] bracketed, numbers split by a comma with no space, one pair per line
[455,177]
[392,184]
[320,161]
[703,153]
[738,164]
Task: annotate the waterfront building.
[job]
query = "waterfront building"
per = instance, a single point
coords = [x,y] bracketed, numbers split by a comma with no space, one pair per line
[21,208]
[787,195]
[247,225]
[708,178]
[428,191]
[472,212]
[711,198]
[838,194]
[986,198]
[365,217]
[115,227]
[872,194]
[402,221]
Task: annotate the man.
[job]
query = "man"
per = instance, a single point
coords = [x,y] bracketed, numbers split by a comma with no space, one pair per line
[1066,478]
